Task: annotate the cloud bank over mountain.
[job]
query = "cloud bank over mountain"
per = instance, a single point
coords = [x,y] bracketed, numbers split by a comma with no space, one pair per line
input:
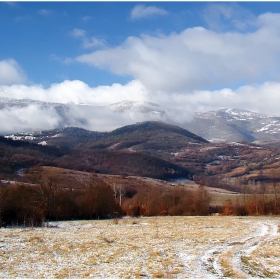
[232,61]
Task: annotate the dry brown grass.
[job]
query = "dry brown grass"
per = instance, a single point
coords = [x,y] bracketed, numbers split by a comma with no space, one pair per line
[267,257]
[156,247]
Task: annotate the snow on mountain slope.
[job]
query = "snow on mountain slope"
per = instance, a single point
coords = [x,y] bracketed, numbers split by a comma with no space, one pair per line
[233,114]
[235,125]
[137,105]
[23,115]
[220,125]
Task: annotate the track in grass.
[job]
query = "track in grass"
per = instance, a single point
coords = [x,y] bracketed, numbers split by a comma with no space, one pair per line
[232,259]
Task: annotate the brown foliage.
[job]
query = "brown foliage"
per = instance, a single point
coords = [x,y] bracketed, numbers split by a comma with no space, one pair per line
[169,201]
[228,208]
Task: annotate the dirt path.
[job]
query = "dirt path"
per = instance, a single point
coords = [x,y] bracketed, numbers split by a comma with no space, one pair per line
[231,258]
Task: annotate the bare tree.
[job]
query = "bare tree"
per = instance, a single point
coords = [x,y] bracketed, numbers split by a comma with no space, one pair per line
[119,192]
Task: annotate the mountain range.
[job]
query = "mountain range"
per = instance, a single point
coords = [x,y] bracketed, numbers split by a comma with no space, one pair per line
[151,150]
[223,125]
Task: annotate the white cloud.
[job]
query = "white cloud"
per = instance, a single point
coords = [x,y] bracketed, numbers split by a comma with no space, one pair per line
[88,42]
[11,72]
[98,117]
[220,16]
[76,32]
[142,11]
[196,58]
[263,98]
[77,92]
[179,107]
[28,118]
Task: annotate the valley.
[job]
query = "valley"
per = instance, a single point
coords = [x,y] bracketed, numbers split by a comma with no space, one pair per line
[146,169]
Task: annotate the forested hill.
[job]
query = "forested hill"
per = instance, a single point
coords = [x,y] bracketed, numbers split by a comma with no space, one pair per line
[148,136]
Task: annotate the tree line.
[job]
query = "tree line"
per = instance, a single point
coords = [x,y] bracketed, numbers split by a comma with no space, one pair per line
[46,198]
[33,204]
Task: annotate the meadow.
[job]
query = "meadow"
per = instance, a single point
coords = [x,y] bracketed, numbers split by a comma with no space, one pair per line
[148,247]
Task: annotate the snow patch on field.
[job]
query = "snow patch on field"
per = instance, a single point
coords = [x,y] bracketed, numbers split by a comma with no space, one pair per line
[156,247]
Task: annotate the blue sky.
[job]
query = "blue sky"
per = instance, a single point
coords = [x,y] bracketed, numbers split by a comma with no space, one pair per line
[39,35]
[187,56]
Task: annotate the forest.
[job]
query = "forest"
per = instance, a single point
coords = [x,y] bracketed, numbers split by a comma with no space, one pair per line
[48,199]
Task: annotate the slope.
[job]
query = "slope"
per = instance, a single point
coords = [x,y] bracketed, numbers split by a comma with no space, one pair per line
[150,137]
[234,125]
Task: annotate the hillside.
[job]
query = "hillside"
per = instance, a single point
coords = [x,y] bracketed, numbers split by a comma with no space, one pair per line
[147,149]
[151,137]
[15,155]
[90,155]
[122,162]
[234,125]
[61,137]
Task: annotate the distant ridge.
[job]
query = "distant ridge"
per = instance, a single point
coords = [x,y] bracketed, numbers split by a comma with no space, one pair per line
[234,125]
[223,125]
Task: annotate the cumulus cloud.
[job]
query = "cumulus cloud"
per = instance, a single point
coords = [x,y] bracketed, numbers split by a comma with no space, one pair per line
[77,92]
[196,58]
[11,72]
[142,11]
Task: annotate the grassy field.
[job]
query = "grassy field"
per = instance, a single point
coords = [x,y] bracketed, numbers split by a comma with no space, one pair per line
[157,247]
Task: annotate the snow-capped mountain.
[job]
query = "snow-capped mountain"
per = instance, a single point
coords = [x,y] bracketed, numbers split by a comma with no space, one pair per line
[235,125]
[136,105]
[230,125]
[6,102]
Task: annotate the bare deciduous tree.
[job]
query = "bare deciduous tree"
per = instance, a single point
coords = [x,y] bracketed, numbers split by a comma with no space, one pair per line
[119,192]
